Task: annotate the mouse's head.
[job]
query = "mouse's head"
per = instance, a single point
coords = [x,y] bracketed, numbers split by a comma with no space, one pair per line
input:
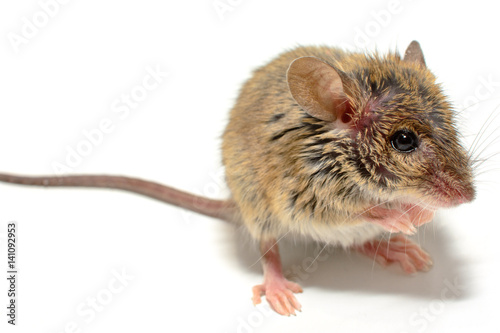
[395,133]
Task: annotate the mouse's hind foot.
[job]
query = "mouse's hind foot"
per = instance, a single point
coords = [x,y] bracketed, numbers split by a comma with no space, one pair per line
[399,249]
[279,291]
[280,295]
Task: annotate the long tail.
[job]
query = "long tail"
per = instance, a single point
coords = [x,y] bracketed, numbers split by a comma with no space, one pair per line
[222,209]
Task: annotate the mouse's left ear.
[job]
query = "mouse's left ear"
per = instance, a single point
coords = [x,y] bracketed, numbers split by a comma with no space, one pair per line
[414,54]
[318,89]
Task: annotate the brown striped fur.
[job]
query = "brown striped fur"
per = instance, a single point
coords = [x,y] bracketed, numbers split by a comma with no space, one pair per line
[291,172]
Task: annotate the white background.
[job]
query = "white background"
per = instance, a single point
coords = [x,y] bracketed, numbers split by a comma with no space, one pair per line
[192,273]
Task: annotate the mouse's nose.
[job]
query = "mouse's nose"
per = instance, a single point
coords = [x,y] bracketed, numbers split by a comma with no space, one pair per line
[452,190]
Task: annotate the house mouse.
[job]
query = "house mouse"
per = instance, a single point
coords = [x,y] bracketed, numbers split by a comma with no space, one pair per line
[343,148]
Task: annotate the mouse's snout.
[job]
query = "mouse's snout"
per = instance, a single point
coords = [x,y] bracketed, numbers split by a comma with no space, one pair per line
[452,188]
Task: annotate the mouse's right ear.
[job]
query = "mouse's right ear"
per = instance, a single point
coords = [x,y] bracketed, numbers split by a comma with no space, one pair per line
[318,89]
[414,54]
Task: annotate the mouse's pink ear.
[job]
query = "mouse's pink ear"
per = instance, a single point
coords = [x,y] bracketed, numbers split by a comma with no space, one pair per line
[414,54]
[318,89]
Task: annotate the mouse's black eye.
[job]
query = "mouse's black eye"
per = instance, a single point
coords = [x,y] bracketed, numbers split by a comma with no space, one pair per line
[404,141]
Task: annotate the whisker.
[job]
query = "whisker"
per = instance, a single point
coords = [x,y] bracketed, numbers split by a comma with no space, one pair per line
[262,256]
[493,115]
[314,260]
[365,211]
[350,218]
[485,124]
[486,171]
[478,162]
[486,144]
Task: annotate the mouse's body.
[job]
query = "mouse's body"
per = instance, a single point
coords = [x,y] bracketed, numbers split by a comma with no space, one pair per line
[291,172]
[272,156]
[343,148]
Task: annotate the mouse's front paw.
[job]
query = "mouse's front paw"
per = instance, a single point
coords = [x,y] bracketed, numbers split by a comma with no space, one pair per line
[280,295]
[419,215]
[391,220]
[400,249]
[399,224]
